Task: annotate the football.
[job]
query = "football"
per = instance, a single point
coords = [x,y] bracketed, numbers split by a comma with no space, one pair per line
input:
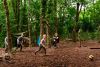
[91,57]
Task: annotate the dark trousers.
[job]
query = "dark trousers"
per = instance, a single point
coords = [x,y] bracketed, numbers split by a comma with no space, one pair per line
[41,47]
[19,46]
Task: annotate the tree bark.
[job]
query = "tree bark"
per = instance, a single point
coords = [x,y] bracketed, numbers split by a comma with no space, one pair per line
[16,10]
[75,32]
[18,14]
[8,26]
[42,17]
[41,27]
[48,32]
[55,16]
[29,25]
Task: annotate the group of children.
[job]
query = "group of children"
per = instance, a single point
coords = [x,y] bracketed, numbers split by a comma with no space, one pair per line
[42,45]
[54,42]
[19,43]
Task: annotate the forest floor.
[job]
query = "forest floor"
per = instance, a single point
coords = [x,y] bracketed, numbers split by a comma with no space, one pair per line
[68,54]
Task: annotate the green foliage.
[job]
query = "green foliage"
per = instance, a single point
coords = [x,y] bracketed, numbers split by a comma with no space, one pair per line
[89,18]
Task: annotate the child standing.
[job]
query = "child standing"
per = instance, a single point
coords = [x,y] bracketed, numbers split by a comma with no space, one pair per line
[42,44]
[6,44]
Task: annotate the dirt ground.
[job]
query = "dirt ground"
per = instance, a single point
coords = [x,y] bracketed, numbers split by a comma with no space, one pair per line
[68,54]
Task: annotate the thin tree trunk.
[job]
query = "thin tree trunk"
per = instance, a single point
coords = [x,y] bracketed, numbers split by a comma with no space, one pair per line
[8,26]
[16,10]
[77,14]
[48,32]
[18,14]
[29,26]
[55,16]
[36,37]
[42,17]
[41,27]
[23,16]
[84,12]
[75,26]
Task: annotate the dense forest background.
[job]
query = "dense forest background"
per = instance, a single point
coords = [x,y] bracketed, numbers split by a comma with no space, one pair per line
[66,17]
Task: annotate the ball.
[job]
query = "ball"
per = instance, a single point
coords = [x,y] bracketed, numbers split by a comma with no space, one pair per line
[91,57]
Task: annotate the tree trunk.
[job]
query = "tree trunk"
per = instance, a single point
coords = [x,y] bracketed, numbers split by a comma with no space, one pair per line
[41,27]
[77,14]
[94,11]
[23,16]
[55,16]
[8,26]
[29,25]
[43,12]
[16,10]
[48,32]
[84,13]
[36,37]
[18,14]
[75,24]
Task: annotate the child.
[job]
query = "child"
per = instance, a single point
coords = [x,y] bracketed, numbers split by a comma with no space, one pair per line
[6,44]
[20,42]
[55,40]
[42,44]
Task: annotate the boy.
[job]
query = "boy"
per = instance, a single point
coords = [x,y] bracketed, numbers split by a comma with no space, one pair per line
[42,44]
[20,42]
[55,40]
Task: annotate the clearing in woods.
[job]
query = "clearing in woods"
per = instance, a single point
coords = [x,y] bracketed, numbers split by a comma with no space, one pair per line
[68,54]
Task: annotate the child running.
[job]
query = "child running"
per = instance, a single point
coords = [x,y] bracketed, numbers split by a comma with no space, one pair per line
[42,44]
[20,42]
